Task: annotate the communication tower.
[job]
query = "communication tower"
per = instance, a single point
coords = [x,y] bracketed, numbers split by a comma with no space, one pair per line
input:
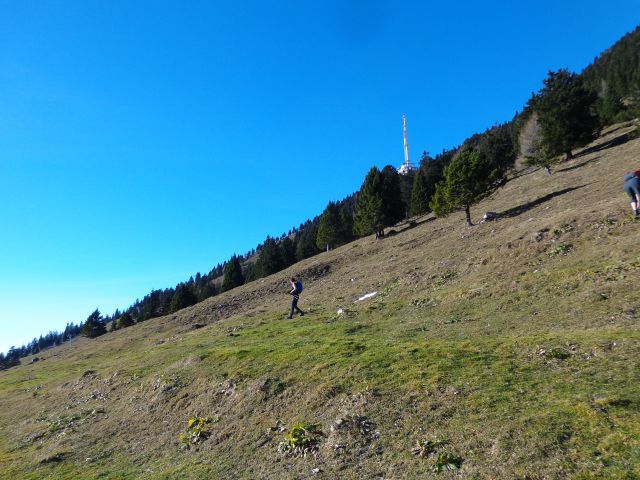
[407,166]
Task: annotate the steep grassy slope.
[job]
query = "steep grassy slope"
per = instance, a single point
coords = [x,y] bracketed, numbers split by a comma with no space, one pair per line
[515,343]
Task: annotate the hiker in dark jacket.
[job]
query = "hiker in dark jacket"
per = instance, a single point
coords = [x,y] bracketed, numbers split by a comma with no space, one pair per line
[295,296]
[632,187]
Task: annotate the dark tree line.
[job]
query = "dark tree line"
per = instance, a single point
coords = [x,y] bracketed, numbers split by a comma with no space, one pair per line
[51,339]
[614,77]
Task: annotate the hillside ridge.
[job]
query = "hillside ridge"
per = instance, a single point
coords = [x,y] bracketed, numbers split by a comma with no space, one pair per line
[505,350]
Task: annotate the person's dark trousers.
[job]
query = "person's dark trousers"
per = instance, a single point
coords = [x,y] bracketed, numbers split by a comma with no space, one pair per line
[294,307]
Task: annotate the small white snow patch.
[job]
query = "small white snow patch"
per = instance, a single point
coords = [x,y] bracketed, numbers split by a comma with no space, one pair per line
[368,295]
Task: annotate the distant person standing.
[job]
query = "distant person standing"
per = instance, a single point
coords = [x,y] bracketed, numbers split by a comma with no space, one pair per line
[632,187]
[296,290]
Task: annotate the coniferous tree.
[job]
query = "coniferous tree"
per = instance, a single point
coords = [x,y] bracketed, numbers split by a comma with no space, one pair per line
[564,108]
[406,190]
[151,305]
[346,224]
[270,258]
[468,178]
[306,241]
[11,359]
[206,289]
[369,213]
[432,170]
[420,194]
[287,251]
[497,146]
[94,326]
[124,321]
[393,207]
[166,296]
[250,273]
[615,77]
[329,228]
[182,298]
[232,274]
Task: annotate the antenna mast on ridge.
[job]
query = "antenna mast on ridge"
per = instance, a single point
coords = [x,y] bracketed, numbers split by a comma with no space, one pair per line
[407,166]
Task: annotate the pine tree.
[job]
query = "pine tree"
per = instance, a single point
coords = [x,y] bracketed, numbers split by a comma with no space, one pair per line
[11,359]
[232,274]
[497,145]
[564,108]
[420,194]
[369,213]
[150,305]
[468,178]
[329,228]
[124,321]
[270,259]
[406,188]
[94,326]
[306,241]
[287,251]
[205,288]
[346,224]
[183,297]
[615,78]
[393,207]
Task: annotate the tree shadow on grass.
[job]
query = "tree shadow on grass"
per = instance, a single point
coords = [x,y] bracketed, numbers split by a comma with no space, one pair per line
[520,209]
[409,226]
[582,164]
[614,142]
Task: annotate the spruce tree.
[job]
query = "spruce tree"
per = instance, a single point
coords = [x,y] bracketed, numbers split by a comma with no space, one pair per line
[329,228]
[250,273]
[346,224]
[94,326]
[565,112]
[615,77]
[287,251]
[124,321]
[420,194]
[468,178]
[369,213]
[207,289]
[182,298]
[270,258]
[232,274]
[306,241]
[497,145]
[393,207]
[406,188]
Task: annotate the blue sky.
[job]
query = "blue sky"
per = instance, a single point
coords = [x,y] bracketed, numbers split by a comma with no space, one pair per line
[142,142]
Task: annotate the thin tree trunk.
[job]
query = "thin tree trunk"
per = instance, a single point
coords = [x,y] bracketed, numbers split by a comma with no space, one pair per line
[569,154]
[468,212]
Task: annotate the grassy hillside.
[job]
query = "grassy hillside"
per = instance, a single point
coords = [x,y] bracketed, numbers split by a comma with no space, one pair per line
[506,350]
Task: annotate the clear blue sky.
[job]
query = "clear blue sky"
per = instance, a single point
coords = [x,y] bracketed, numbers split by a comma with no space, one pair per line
[144,141]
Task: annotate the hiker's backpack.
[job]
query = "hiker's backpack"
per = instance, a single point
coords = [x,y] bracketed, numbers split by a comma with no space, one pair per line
[299,286]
